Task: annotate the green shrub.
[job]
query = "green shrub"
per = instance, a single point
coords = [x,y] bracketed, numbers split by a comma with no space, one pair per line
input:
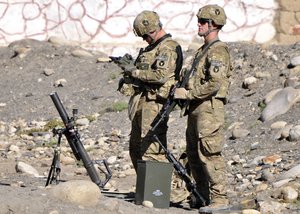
[262,105]
[49,126]
[91,118]
[118,106]
[53,142]
[53,124]
[113,76]
[30,131]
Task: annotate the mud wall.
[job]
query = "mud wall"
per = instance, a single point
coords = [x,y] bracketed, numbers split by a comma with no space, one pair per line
[287,22]
[107,24]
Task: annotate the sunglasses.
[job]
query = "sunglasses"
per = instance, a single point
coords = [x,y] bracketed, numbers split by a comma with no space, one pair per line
[145,36]
[203,21]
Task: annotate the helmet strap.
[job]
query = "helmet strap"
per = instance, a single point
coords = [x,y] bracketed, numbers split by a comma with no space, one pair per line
[210,28]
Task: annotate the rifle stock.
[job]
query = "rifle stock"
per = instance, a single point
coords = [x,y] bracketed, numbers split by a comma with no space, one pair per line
[73,138]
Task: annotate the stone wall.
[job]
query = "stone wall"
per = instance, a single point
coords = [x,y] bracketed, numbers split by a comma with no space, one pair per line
[287,22]
[106,25]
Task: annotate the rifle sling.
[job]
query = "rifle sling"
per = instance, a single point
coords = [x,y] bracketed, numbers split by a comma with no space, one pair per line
[152,46]
[196,62]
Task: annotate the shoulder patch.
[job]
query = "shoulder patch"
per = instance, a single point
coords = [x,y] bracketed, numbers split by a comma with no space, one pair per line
[215,64]
[161,60]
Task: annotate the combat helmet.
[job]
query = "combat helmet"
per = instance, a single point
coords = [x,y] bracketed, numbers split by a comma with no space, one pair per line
[213,12]
[146,22]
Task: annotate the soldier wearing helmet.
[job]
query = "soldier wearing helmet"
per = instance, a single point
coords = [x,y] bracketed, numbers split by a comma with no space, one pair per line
[147,23]
[149,79]
[213,15]
[206,93]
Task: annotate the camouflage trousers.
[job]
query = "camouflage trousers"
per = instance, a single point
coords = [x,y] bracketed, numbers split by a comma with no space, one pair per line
[204,137]
[142,146]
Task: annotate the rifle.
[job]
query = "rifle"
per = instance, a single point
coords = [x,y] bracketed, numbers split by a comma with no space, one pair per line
[73,138]
[115,59]
[182,172]
[122,60]
[126,59]
[180,169]
[171,103]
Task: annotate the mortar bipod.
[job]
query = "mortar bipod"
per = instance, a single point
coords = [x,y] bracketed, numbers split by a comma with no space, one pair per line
[107,172]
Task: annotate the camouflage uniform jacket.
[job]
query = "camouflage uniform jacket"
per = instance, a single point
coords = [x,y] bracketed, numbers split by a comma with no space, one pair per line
[158,64]
[211,75]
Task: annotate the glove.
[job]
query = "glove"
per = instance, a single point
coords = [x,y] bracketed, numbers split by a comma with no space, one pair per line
[128,69]
[127,64]
[125,60]
[180,93]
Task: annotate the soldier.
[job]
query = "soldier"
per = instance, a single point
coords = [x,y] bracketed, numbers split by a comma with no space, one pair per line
[148,80]
[206,94]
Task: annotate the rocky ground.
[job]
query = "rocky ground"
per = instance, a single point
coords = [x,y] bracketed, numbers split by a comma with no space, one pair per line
[262,155]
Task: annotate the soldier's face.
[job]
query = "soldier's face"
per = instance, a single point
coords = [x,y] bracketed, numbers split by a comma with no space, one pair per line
[202,26]
[150,38]
[147,38]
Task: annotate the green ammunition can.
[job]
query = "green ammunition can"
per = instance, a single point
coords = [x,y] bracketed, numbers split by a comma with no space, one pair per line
[154,183]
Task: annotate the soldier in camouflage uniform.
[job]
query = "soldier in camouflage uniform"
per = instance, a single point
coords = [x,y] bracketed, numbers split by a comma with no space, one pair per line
[206,94]
[148,80]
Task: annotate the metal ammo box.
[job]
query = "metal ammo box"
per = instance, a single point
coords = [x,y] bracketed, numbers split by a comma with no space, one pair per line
[154,183]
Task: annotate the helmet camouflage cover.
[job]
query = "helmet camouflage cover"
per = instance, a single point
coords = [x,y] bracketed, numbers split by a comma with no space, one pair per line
[213,12]
[146,22]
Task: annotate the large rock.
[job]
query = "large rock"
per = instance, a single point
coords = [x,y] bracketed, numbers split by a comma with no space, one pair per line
[22,167]
[291,173]
[81,192]
[271,207]
[294,134]
[282,101]
[289,194]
